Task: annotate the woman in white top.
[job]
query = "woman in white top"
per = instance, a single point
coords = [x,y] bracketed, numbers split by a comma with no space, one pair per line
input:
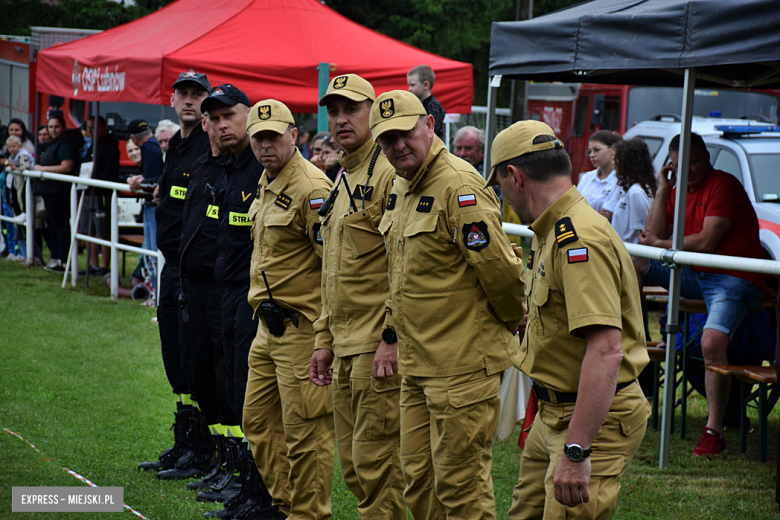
[630,201]
[597,185]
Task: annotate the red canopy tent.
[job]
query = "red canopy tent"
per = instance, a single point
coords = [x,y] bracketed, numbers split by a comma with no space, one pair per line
[267,48]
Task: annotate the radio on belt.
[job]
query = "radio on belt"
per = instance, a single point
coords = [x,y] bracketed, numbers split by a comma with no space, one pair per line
[274,318]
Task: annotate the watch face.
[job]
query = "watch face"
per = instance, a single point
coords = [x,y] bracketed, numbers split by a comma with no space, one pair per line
[575,453]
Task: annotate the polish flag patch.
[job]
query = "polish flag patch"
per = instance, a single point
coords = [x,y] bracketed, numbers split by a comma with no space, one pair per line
[578,255]
[316,203]
[467,200]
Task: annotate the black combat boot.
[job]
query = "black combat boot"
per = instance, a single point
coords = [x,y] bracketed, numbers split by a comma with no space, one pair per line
[227,482]
[201,459]
[252,489]
[181,444]
[259,505]
[209,478]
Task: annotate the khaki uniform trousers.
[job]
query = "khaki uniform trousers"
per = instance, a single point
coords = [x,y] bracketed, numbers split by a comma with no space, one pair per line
[366,412]
[288,421]
[447,429]
[613,450]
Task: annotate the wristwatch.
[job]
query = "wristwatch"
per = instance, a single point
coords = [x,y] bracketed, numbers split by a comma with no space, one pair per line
[389,335]
[576,453]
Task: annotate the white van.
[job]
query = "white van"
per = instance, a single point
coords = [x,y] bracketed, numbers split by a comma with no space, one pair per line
[749,150]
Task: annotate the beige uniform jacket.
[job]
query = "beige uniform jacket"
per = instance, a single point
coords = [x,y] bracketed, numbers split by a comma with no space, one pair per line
[286,234]
[354,262]
[455,283]
[578,274]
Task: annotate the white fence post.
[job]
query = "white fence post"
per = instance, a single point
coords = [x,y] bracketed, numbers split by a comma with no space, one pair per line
[29,205]
[114,241]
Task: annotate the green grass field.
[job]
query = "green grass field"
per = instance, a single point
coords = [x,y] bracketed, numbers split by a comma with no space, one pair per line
[82,380]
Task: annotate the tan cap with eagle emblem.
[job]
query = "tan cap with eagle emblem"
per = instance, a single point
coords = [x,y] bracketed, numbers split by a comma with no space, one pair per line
[269,114]
[395,110]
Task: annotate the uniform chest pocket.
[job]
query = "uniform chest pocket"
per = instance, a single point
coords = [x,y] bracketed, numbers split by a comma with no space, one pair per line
[254,209]
[425,246]
[239,222]
[542,318]
[361,232]
[278,232]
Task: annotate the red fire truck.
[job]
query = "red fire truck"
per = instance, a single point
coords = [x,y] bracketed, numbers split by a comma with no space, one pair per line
[576,110]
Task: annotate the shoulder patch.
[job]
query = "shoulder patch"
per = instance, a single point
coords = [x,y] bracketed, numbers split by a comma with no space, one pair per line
[476,236]
[316,203]
[363,192]
[425,205]
[564,232]
[390,202]
[316,233]
[577,255]
[283,201]
[467,200]
[530,263]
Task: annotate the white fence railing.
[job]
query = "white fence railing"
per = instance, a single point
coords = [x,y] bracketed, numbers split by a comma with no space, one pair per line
[71,261]
[671,256]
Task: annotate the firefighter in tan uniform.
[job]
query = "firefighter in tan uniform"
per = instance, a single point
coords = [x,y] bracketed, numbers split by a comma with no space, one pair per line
[456,298]
[584,344]
[287,419]
[366,383]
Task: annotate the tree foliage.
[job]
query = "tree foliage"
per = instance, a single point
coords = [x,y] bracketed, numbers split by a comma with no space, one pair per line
[456,29]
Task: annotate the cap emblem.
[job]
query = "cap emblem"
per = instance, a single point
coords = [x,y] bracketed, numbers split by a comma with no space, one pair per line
[218,92]
[388,108]
[340,82]
[264,112]
[190,74]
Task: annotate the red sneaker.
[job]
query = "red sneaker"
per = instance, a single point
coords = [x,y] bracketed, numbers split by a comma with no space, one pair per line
[710,443]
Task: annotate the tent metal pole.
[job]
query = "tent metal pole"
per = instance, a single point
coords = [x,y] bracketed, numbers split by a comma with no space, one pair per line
[322,112]
[672,323]
[490,123]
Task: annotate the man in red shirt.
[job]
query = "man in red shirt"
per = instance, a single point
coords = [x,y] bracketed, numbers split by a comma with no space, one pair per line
[720,220]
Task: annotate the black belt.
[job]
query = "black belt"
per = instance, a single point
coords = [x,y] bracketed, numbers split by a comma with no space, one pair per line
[567,398]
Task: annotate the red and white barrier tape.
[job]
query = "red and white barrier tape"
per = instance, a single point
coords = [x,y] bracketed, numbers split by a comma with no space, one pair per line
[71,472]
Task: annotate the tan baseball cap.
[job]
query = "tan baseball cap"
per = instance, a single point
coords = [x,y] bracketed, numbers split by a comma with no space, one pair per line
[518,140]
[350,86]
[395,110]
[269,114]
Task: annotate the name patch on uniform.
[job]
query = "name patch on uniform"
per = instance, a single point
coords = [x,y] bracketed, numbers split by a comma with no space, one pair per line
[283,201]
[177,192]
[530,263]
[316,203]
[577,255]
[245,196]
[316,233]
[425,205]
[564,232]
[212,211]
[363,192]
[467,200]
[476,236]
[239,219]
[391,201]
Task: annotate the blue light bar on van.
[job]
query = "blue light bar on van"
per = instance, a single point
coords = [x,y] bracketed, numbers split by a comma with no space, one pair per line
[744,130]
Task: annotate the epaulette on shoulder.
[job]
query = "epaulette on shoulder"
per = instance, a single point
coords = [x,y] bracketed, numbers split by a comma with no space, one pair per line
[564,232]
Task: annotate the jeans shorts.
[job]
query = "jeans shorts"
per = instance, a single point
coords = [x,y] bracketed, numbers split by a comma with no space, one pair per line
[728,298]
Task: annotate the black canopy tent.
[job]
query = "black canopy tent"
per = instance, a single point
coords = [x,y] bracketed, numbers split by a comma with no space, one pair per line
[692,43]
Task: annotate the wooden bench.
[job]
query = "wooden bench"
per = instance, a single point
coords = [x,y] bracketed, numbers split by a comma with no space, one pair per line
[763,399]
[131,240]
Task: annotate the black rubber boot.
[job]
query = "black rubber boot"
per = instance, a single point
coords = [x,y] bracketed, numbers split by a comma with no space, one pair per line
[198,461]
[168,457]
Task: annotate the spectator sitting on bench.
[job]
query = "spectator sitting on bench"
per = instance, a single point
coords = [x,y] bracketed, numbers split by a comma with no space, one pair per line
[719,219]
[752,344]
